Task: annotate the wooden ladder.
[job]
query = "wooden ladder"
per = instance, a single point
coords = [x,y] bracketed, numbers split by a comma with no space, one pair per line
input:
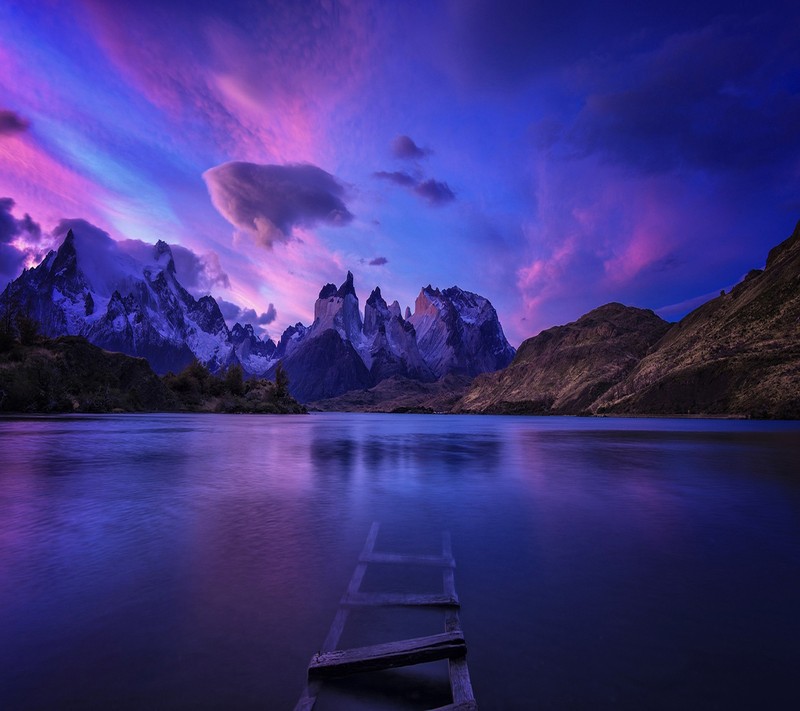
[331,662]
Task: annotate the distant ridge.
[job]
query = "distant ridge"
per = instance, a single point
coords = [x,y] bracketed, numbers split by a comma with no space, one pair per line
[736,355]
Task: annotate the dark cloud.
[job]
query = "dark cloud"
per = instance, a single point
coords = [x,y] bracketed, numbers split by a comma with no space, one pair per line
[269,201]
[8,223]
[721,98]
[405,148]
[11,122]
[229,310]
[11,227]
[235,313]
[84,229]
[198,273]
[501,44]
[268,316]
[378,261]
[25,231]
[11,263]
[398,177]
[435,192]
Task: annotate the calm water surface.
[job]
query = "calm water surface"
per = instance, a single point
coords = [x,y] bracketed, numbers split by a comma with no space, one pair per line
[196,561]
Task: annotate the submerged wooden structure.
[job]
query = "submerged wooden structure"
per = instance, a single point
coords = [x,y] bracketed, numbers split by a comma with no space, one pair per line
[332,662]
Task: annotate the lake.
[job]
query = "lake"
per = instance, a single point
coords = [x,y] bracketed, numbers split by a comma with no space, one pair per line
[196,561]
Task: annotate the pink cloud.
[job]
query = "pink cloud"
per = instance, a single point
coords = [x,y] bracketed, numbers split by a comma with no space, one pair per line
[602,234]
[266,93]
[43,186]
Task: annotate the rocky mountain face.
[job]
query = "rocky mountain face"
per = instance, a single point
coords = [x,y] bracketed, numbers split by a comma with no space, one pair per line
[738,354]
[459,332]
[254,354]
[340,352]
[565,369]
[138,308]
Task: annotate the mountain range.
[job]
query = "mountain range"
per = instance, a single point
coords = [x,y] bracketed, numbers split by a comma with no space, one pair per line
[136,305]
[736,355]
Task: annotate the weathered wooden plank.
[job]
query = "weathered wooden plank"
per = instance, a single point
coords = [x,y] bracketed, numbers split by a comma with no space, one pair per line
[448,577]
[464,706]
[460,684]
[309,697]
[339,620]
[435,560]
[400,600]
[387,655]
[307,700]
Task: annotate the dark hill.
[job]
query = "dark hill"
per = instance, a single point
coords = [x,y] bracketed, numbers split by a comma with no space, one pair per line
[738,354]
[565,369]
[69,374]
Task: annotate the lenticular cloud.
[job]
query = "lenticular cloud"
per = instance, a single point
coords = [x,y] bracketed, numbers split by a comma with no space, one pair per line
[269,201]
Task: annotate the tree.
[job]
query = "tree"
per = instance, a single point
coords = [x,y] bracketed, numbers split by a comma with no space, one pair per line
[28,329]
[234,380]
[8,313]
[281,381]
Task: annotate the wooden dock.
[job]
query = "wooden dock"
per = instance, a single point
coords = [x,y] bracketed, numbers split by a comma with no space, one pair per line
[331,662]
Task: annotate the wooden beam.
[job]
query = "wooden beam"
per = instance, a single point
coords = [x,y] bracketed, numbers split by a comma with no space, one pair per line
[388,655]
[400,600]
[435,560]
[460,683]
[309,697]
[337,626]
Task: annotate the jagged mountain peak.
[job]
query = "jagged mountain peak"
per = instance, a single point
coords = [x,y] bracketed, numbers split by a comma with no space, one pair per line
[347,287]
[163,256]
[123,297]
[126,296]
[327,291]
[375,297]
[459,332]
[63,259]
[240,331]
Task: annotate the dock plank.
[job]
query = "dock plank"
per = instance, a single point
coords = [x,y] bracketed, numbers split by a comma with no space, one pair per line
[434,560]
[400,600]
[464,706]
[387,655]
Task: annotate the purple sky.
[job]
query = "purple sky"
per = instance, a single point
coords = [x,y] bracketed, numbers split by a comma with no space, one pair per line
[551,156]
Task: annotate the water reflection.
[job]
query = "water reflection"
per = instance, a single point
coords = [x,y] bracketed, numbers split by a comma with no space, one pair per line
[424,453]
[180,561]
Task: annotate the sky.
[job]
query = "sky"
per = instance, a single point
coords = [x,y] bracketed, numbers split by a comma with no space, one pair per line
[550,156]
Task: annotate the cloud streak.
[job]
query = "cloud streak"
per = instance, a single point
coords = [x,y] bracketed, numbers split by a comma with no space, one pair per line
[434,192]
